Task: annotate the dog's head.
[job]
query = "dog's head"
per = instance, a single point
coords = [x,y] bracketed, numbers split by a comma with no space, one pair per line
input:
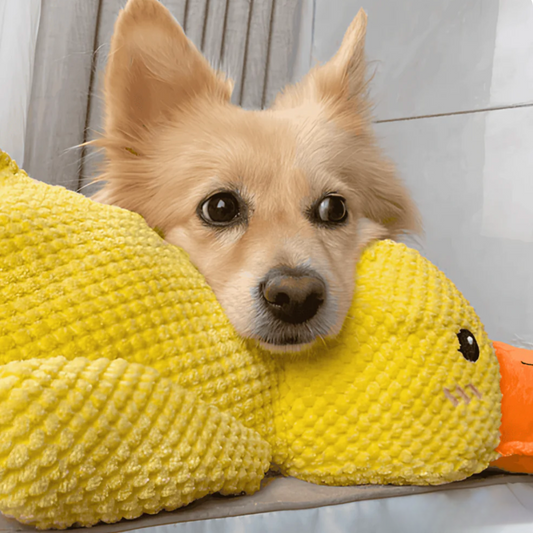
[274,206]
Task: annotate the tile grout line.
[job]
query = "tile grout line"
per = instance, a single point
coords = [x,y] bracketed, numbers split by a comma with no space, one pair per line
[437,115]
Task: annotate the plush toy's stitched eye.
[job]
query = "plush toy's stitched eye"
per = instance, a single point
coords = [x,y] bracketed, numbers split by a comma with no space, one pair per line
[468,345]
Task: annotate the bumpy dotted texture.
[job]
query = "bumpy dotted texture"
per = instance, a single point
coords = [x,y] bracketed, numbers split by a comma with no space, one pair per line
[124,389]
[82,279]
[84,441]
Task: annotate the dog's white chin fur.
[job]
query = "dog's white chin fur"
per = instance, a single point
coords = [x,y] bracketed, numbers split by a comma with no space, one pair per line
[286,348]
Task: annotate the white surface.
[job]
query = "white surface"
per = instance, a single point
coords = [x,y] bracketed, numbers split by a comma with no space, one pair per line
[508,175]
[500,508]
[512,72]
[19,23]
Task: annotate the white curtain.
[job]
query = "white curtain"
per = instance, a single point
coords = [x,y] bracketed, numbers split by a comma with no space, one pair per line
[19,24]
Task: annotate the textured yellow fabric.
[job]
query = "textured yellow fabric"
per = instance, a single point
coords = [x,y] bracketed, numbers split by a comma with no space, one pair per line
[124,389]
[99,440]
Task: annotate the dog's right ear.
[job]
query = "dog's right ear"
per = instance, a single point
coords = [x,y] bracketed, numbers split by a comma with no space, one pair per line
[153,71]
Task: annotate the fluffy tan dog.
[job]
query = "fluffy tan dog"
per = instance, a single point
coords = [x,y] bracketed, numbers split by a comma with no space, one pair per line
[273,206]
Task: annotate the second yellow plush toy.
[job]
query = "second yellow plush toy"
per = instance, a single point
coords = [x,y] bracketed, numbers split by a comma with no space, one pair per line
[125,390]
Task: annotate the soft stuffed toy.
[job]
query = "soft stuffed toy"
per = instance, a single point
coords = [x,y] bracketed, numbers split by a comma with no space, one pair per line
[125,390]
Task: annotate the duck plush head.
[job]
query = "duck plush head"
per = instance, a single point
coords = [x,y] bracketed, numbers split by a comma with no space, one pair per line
[125,390]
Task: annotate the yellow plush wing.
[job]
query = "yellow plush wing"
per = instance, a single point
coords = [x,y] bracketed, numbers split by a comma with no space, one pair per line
[85,441]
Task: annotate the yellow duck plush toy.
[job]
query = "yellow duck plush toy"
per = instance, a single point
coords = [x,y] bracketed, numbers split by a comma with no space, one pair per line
[125,390]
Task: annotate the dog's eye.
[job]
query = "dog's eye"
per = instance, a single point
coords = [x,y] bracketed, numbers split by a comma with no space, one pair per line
[220,209]
[468,345]
[332,210]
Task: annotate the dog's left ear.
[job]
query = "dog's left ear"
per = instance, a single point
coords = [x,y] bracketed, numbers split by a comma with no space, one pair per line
[347,68]
[342,80]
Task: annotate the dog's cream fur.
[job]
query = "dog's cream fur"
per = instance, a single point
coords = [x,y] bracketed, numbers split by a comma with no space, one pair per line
[172,138]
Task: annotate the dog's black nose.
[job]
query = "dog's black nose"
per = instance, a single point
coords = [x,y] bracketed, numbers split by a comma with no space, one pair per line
[292,295]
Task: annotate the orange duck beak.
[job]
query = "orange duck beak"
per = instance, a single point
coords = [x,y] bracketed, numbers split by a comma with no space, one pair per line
[516,441]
